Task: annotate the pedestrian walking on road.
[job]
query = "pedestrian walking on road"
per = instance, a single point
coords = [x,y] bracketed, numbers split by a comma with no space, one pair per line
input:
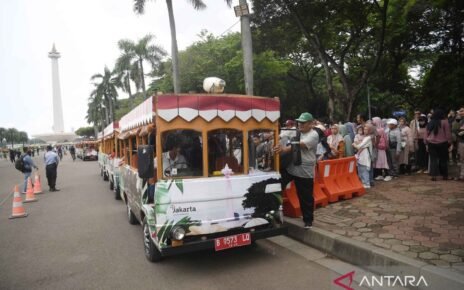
[51,165]
[12,156]
[303,174]
[28,165]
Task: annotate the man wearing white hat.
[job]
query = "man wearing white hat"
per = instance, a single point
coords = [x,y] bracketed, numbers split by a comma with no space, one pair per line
[394,147]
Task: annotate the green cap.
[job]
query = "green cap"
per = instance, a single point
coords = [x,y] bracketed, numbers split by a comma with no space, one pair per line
[305,117]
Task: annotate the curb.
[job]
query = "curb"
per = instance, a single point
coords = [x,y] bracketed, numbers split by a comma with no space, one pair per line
[372,258]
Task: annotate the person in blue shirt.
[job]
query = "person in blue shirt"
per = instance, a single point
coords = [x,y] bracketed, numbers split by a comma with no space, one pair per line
[51,160]
[28,165]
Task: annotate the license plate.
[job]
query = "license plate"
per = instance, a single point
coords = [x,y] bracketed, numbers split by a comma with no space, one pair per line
[232,241]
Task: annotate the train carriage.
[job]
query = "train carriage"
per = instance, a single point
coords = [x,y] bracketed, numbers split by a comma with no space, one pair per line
[192,175]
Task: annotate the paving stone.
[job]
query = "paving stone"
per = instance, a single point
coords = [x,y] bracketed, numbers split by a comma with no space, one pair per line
[375,240]
[409,254]
[364,230]
[393,242]
[386,236]
[459,252]
[369,235]
[353,233]
[451,258]
[359,225]
[418,249]
[400,248]
[428,256]
[382,245]
[421,238]
[410,243]
[440,251]
[400,217]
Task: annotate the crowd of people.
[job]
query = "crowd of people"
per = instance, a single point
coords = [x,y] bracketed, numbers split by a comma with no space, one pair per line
[23,162]
[384,148]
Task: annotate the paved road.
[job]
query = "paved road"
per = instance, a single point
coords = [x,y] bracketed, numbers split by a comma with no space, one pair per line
[79,238]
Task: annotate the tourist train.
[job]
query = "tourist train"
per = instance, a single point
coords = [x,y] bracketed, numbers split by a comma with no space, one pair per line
[186,168]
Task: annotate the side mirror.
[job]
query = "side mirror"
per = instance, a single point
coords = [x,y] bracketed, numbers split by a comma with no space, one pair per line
[145,161]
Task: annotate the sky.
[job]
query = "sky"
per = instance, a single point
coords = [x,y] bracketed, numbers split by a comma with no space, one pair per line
[86,33]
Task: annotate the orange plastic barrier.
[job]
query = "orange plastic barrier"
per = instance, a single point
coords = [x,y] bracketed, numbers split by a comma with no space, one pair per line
[291,203]
[339,179]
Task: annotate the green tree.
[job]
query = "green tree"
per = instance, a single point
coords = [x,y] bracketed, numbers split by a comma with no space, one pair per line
[344,38]
[107,88]
[130,62]
[12,135]
[222,57]
[139,7]
[22,137]
[86,131]
[2,134]
[95,112]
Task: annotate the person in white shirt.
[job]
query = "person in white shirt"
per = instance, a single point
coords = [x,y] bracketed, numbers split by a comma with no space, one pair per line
[172,160]
[364,155]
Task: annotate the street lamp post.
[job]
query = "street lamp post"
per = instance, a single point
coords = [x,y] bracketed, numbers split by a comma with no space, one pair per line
[242,11]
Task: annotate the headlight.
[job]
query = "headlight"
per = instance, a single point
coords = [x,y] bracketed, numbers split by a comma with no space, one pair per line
[177,233]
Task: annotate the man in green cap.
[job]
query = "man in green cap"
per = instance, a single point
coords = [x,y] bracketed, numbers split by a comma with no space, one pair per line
[303,174]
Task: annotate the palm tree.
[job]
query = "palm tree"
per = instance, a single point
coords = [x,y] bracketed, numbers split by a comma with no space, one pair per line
[95,112]
[133,55]
[139,8]
[107,89]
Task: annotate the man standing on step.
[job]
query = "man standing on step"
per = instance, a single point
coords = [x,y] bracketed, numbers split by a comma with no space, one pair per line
[303,174]
[51,165]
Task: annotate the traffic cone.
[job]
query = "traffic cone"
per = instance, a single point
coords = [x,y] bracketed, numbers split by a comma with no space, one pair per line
[18,210]
[30,192]
[37,185]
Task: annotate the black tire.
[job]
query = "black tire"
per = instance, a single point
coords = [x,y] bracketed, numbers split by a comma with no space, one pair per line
[117,194]
[111,185]
[130,215]
[105,176]
[151,251]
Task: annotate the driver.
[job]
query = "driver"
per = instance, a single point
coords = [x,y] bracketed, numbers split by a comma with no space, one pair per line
[173,159]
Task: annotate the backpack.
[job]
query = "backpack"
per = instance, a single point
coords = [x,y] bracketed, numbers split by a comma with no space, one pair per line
[19,163]
[382,144]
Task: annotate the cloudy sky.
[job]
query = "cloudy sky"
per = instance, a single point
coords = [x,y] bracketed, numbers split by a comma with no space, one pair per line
[86,33]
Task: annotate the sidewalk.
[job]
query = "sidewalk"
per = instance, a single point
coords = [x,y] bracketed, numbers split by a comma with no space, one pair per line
[410,217]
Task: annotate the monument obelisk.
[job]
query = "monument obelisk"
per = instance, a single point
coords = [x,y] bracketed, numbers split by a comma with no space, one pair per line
[58,123]
[58,135]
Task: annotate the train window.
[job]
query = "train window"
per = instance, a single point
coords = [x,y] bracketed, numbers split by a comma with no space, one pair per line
[182,152]
[225,146]
[260,144]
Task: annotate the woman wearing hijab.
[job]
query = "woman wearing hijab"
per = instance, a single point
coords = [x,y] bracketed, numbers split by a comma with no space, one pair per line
[381,163]
[364,155]
[351,129]
[407,144]
[422,155]
[336,142]
[347,140]
[438,139]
